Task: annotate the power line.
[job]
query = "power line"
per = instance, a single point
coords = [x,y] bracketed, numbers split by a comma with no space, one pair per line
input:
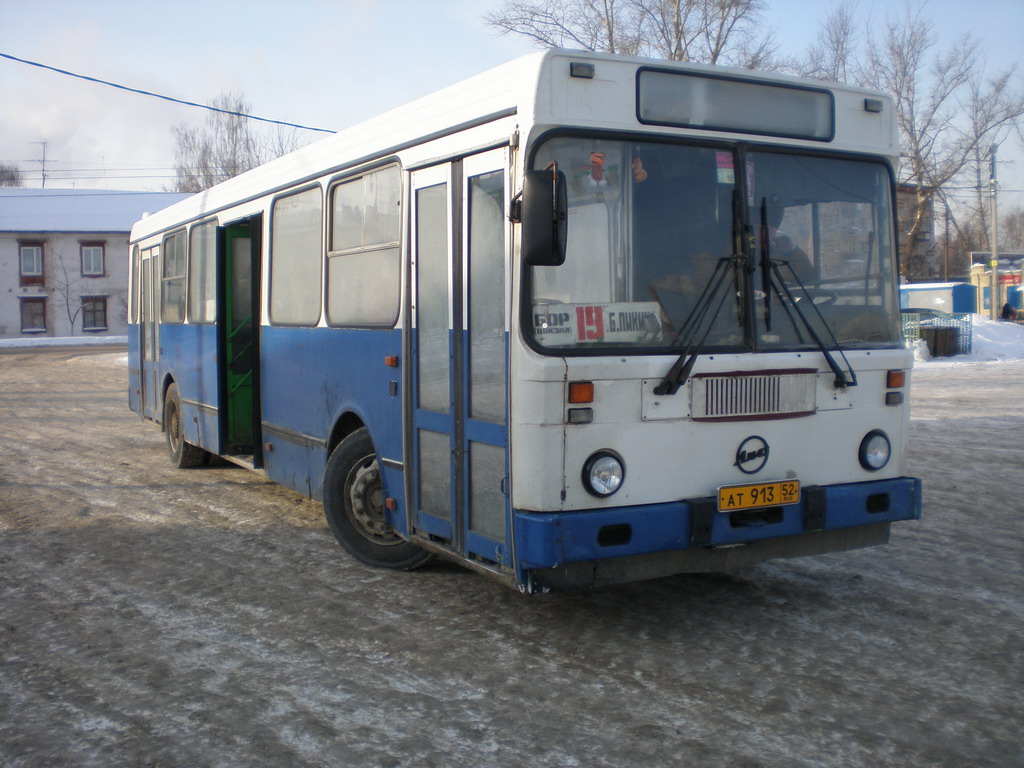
[16,192]
[165,98]
[113,177]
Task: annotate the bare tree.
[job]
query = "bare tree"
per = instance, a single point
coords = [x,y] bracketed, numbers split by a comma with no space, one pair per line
[226,146]
[707,31]
[833,55]
[946,111]
[63,280]
[729,29]
[592,25]
[994,112]
[1011,233]
[10,175]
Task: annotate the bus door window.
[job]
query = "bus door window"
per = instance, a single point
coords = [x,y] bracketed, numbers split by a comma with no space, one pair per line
[241,343]
[433,395]
[486,431]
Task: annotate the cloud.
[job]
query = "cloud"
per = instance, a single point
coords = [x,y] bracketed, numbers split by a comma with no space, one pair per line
[87,127]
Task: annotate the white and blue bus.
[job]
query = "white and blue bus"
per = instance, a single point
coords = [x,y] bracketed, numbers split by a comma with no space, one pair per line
[576,321]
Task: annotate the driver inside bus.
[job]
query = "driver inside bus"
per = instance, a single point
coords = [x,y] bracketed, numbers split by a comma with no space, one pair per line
[784,249]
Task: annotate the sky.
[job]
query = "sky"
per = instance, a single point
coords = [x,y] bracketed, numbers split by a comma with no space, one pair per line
[313,62]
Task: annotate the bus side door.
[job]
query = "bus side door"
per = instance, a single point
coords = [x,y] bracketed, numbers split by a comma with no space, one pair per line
[459,341]
[149,351]
[238,341]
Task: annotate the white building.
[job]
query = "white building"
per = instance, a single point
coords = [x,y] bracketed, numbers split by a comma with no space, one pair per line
[64,259]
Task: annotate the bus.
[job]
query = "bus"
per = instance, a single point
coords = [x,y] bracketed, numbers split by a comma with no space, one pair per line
[576,321]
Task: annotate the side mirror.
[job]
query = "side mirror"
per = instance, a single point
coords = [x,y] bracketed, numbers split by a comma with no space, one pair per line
[545,214]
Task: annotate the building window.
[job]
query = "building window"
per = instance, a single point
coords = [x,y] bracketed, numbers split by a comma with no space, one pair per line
[94,313]
[31,263]
[92,259]
[33,315]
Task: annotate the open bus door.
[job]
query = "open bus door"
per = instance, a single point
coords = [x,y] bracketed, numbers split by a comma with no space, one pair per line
[460,350]
[238,340]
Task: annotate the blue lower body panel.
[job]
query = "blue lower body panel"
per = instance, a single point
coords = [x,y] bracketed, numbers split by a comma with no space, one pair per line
[551,540]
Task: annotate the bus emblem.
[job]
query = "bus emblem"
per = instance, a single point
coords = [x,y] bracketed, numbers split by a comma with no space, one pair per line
[752,455]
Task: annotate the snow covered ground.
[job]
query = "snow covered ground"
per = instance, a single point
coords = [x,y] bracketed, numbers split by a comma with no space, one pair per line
[206,617]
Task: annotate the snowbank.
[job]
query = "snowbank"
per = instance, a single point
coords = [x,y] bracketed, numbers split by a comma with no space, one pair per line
[996,340]
[65,341]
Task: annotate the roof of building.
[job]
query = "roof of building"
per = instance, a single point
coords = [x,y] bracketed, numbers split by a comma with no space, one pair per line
[78,210]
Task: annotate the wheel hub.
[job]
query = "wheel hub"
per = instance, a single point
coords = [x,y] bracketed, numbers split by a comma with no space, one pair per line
[366,504]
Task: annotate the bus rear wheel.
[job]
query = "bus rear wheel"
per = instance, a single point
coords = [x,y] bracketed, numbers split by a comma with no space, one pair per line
[354,507]
[182,454]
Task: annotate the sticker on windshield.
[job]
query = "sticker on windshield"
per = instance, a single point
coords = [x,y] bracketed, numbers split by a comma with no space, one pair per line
[620,323]
[726,175]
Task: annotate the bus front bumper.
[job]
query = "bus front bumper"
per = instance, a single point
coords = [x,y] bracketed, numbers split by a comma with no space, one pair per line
[826,518]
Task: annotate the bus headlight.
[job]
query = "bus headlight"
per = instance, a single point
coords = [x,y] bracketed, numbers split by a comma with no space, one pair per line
[875,450]
[603,473]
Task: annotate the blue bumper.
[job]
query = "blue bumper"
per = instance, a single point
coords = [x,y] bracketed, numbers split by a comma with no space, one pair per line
[549,540]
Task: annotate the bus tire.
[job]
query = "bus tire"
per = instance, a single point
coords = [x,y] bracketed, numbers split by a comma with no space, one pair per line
[354,507]
[182,454]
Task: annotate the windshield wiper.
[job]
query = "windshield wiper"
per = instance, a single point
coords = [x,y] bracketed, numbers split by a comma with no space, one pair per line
[766,276]
[766,260]
[847,378]
[770,268]
[700,319]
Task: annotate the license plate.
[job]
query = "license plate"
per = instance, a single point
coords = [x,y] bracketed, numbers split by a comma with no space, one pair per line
[737,497]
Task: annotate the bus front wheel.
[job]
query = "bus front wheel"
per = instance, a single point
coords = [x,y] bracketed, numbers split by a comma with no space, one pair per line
[354,507]
[182,454]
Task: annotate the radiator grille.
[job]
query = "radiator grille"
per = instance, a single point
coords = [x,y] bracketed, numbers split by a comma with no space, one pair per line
[754,395]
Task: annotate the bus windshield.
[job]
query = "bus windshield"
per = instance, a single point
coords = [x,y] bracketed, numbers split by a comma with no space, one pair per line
[665,237]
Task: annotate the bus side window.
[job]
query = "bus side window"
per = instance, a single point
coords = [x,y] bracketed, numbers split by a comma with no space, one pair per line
[363,264]
[295,258]
[172,304]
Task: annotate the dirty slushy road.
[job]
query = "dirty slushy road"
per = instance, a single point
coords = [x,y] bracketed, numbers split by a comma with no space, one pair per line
[162,617]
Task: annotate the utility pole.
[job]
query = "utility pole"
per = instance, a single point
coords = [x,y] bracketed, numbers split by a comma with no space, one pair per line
[42,162]
[945,257]
[993,186]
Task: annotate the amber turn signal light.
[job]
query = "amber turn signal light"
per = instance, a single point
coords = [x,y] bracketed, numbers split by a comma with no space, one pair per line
[581,391]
